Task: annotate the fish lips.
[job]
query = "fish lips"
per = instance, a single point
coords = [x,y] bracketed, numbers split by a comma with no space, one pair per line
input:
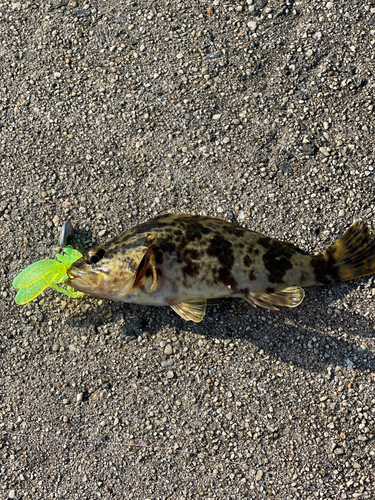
[85,280]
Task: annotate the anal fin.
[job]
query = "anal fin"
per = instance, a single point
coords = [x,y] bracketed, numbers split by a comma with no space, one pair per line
[192,309]
[287,297]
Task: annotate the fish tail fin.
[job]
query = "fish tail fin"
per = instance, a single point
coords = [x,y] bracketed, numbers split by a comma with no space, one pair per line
[348,258]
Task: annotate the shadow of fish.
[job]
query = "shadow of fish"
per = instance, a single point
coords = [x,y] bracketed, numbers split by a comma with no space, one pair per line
[184,261]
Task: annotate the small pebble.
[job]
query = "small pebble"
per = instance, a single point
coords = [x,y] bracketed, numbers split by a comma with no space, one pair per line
[167,362]
[349,364]
[309,149]
[324,151]
[252,25]
[259,475]
[286,168]
[56,220]
[168,350]
[170,375]
[213,55]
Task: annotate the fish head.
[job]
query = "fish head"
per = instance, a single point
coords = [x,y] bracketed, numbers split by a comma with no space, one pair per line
[107,271]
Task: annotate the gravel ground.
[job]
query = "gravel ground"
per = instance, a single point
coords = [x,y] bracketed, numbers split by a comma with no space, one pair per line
[258,112]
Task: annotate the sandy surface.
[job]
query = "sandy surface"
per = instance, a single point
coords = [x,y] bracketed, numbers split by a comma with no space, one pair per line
[112,112]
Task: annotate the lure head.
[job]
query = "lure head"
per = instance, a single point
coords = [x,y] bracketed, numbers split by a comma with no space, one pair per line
[69,256]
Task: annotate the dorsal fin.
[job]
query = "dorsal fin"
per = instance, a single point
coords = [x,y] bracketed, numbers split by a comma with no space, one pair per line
[198,218]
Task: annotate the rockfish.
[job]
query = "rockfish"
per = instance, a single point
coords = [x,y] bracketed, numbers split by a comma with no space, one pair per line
[184,261]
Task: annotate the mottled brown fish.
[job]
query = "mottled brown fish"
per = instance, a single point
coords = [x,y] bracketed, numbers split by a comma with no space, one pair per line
[185,260]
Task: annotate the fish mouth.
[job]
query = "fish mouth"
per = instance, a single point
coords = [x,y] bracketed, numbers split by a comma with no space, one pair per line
[85,281]
[99,282]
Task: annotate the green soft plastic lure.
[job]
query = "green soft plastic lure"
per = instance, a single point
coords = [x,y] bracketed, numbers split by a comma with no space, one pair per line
[34,279]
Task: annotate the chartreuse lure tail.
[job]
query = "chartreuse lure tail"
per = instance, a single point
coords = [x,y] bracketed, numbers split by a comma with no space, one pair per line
[46,273]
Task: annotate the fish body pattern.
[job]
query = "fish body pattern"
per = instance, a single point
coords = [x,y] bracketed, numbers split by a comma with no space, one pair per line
[184,261]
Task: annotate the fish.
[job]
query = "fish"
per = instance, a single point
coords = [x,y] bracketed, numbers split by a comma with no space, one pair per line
[185,261]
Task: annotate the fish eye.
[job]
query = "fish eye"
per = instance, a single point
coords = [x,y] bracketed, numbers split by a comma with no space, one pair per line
[96,255]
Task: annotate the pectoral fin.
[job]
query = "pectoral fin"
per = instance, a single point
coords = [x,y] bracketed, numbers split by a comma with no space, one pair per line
[288,297]
[192,309]
[154,273]
[147,268]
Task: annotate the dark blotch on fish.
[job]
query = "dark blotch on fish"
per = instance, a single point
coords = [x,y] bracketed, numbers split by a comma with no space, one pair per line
[276,259]
[247,261]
